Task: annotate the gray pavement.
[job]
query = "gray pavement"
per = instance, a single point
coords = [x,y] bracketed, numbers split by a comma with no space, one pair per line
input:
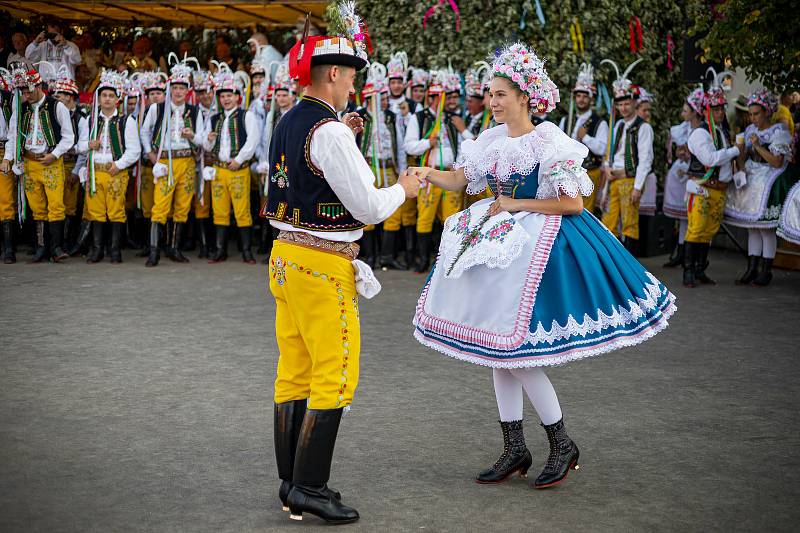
[136,399]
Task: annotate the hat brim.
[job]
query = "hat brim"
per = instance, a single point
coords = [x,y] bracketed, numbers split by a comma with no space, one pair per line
[339,59]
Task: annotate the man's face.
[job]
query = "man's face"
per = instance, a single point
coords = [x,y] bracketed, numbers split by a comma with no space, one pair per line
[139,47]
[66,99]
[343,83]
[418,94]
[132,101]
[718,112]
[222,49]
[451,102]
[206,98]
[155,96]
[396,87]
[19,42]
[475,105]
[228,100]
[53,29]
[257,79]
[283,99]
[179,91]
[644,110]
[108,100]
[32,96]
[626,108]
[583,101]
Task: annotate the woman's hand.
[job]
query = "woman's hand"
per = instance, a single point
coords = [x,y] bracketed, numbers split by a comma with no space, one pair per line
[503,203]
[420,172]
[754,140]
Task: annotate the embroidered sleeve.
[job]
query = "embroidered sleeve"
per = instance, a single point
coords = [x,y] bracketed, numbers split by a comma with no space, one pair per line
[781,141]
[563,172]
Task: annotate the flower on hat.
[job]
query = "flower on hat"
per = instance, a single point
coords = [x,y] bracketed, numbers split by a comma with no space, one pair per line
[525,69]
[697,100]
[765,99]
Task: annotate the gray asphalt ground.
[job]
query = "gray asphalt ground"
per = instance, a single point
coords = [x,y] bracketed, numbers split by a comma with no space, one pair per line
[136,399]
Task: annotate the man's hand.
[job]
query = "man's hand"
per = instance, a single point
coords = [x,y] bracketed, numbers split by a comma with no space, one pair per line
[458,122]
[234,165]
[113,170]
[503,203]
[434,142]
[354,122]
[151,156]
[212,137]
[607,176]
[49,159]
[410,183]
[582,133]
[95,144]
[40,38]
[72,179]
[5,166]
[754,140]
[187,133]
[636,195]
[59,39]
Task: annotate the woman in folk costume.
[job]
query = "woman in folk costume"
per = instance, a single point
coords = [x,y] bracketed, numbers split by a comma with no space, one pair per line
[757,204]
[789,223]
[588,127]
[548,284]
[321,195]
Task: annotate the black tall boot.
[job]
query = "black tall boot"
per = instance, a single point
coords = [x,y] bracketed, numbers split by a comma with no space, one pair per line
[146,229]
[40,253]
[66,237]
[57,241]
[221,253]
[174,247]
[689,265]
[563,456]
[288,420]
[189,238]
[764,276]
[312,469]
[409,232]
[154,253]
[9,258]
[202,237]
[676,259]
[751,272]
[83,238]
[131,238]
[424,241]
[368,247]
[245,239]
[701,264]
[515,457]
[632,245]
[116,235]
[389,251]
[96,253]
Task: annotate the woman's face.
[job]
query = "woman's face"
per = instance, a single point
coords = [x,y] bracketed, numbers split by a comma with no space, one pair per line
[507,101]
[687,113]
[758,115]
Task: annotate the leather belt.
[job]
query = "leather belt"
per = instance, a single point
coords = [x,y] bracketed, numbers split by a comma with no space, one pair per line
[348,250]
[176,154]
[714,183]
[103,167]
[36,157]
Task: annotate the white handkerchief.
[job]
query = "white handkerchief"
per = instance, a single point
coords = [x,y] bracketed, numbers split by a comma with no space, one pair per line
[209,173]
[693,188]
[160,170]
[740,179]
[83,174]
[367,285]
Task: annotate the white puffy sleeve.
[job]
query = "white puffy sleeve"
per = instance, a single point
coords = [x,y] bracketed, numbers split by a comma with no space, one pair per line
[562,169]
[781,141]
[473,158]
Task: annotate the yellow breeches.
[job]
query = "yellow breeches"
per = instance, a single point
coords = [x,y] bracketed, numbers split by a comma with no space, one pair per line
[588,201]
[147,191]
[202,202]
[44,189]
[178,197]
[71,189]
[8,196]
[705,215]
[620,204]
[108,200]
[231,187]
[316,325]
[436,203]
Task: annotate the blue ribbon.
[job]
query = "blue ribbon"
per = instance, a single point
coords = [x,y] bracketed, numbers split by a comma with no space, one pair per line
[540,13]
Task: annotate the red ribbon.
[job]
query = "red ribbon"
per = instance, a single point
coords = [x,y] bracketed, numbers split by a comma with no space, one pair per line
[635,30]
[300,65]
[432,10]
[670,50]
[365,36]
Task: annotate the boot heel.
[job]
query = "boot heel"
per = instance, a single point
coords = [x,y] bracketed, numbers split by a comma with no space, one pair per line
[285,508]
[298,516]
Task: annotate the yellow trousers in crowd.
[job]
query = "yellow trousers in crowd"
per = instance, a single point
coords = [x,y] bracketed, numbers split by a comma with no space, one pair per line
[705,215]
[316,324]
[72,188]
[108,200]
[147,192]
[8,195]
[202,209]
[436,204]
[621,205]
[588,201]
[178,197]
[231,188]
[44,189]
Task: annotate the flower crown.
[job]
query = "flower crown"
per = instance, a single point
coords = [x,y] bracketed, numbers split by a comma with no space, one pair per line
[765,99]
[520,65]
[697,101]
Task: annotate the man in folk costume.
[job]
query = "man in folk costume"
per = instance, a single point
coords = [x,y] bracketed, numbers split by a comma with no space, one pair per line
[321,195]
[204,92]
[38,138]
[170,134]
[588,128]
[231,140]
[432,139]
[399,103]
[8,181]
[379,144]
[710,173]
[419,88]
[644,106]
[628,162]
[113,147]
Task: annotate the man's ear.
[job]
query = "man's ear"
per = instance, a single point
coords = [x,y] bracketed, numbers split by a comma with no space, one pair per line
[333,73]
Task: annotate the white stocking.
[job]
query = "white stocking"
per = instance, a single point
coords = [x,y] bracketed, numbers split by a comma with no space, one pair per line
[540,392]
[508,392]
[682,227]
[769,241]
[754,242]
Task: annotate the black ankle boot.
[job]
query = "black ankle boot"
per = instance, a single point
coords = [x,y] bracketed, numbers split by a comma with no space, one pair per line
[41,248]
[202,237]
[83,238]
[174,247]
[312,468]
[368,248]
[221,253]
[515,457]
[9,258]
[154,253]
[764,276]
[424,241]
[96,253]
[676,259]
[689,265]
[701,264]
[244,239]
[116,236]
[389,251]
[409,232]
[632,245]
[563,456]
[751,272]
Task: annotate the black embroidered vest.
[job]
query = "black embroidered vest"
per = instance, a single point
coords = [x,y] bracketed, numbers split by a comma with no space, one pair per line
[237,132]
[592,160]
[298,193]
[631,145]
[47,118]
[189,121]
[425,119]
[389,118]
[116,133]
[696,168]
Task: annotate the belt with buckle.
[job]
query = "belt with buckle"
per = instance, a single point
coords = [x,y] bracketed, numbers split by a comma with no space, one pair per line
[348,250]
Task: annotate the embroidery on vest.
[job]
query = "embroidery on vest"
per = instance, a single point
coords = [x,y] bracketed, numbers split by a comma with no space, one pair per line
[331,211]
[281,176]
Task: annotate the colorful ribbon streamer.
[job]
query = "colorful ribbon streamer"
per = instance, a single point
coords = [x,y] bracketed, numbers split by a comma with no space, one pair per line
[670,50]
[635,34]
[576,35]
[540,13]
[452,5]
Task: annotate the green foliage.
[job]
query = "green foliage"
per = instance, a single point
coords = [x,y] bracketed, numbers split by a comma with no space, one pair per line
[760,36]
